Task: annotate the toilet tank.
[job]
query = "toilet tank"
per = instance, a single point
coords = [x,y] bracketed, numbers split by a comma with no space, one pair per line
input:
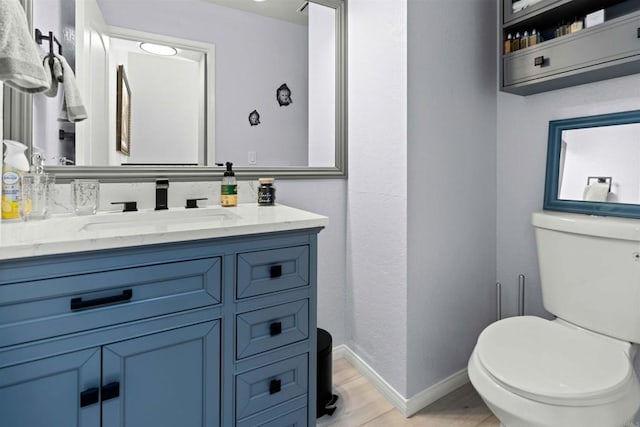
[590,271]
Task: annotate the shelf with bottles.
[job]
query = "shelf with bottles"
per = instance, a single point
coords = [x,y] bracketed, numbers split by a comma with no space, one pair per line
[562,20]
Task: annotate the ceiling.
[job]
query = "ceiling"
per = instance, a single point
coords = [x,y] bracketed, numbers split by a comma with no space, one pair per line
[286,10]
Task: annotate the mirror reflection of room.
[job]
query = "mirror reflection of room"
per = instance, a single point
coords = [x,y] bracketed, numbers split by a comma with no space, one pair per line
[600,164]
[190,109]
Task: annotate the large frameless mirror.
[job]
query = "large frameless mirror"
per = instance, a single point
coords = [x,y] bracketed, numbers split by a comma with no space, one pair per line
[260,84]
[592,165]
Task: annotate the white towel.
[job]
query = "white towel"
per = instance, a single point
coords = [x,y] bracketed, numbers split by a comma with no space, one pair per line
[73,109]
[596,192]
[20,65]
[54,71]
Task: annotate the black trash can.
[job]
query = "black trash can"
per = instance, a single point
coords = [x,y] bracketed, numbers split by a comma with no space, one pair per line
[326,400]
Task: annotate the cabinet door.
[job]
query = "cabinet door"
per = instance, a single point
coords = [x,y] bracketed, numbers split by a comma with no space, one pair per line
[164,380]
[57,391]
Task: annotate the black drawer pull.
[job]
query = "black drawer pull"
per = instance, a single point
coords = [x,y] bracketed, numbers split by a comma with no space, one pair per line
[275,386]
[538,61]
[639,33]
[78,304]
[275,328]
[89,397]
[110,391]
[275,271]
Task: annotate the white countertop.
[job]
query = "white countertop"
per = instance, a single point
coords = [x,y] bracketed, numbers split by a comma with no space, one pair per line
[68,233]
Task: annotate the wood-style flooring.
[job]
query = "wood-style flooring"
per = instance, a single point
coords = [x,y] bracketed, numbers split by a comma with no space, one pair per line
[360,404]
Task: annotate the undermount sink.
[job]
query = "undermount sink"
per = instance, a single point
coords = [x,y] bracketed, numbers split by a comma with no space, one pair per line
[146,219]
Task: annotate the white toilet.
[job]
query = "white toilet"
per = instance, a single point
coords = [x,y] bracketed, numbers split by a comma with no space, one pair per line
[576,370]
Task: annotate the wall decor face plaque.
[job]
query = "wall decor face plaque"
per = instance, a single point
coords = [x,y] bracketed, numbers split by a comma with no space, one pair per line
[283,95]
[254,118]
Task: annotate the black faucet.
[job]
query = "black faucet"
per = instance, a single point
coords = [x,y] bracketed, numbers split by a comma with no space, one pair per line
[162,187]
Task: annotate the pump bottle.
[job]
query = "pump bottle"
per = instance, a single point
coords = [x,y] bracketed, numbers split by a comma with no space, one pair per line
[229,188]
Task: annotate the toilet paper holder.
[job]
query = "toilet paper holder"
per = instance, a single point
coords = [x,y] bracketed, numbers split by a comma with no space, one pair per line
[601,180]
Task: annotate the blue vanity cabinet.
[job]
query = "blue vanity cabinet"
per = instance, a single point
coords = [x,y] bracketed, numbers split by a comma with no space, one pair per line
[204,333]
[161,379]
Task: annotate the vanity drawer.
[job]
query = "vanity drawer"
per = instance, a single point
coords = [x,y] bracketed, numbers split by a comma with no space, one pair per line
[270,385]
[272,327]
[272,270]
[295,418]
[590,47]
[50,307]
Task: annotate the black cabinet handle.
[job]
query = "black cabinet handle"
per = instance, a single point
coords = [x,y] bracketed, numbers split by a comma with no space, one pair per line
[639,33]
[275,271]
[89,397]
[78,304]
[538,61]
[110,391]
[275,386]
[275,328]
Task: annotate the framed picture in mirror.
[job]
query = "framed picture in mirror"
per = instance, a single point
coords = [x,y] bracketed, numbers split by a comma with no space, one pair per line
[123,112]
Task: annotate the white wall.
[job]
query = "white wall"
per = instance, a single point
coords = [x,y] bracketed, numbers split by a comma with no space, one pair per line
[377,187]
[451,184]
[263,54]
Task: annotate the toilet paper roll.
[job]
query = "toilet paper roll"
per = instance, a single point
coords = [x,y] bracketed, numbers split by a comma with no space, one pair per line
[596,192]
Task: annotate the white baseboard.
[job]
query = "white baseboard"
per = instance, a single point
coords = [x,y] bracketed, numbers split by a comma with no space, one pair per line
[410,406]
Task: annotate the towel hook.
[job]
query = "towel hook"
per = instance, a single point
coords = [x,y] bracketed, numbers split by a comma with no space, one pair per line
[52,39]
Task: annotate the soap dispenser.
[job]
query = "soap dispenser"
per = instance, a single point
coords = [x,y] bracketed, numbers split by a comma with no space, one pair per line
[229,188]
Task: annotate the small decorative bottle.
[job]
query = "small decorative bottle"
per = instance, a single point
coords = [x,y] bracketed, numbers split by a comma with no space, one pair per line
[515,44]
[229,188]
[507,44]
[524,40]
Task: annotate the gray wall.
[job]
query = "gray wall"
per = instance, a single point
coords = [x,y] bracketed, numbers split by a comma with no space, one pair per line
[522,148]
[422,185]
[376,307]
[452,184]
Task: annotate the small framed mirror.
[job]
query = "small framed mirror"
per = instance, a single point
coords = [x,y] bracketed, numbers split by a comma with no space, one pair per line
[592,165]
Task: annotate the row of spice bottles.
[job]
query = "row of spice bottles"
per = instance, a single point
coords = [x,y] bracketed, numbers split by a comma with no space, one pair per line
[511,44]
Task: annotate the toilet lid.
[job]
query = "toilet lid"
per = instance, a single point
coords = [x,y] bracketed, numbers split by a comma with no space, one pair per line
[551,363]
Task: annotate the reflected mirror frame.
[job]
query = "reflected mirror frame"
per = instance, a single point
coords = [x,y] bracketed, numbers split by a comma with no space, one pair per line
[18,126]
[551,201]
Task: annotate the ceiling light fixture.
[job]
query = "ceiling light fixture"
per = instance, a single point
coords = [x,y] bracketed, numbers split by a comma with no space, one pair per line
[158,49]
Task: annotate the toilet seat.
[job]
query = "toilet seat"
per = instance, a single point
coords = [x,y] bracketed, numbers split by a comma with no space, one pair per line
[550,363]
